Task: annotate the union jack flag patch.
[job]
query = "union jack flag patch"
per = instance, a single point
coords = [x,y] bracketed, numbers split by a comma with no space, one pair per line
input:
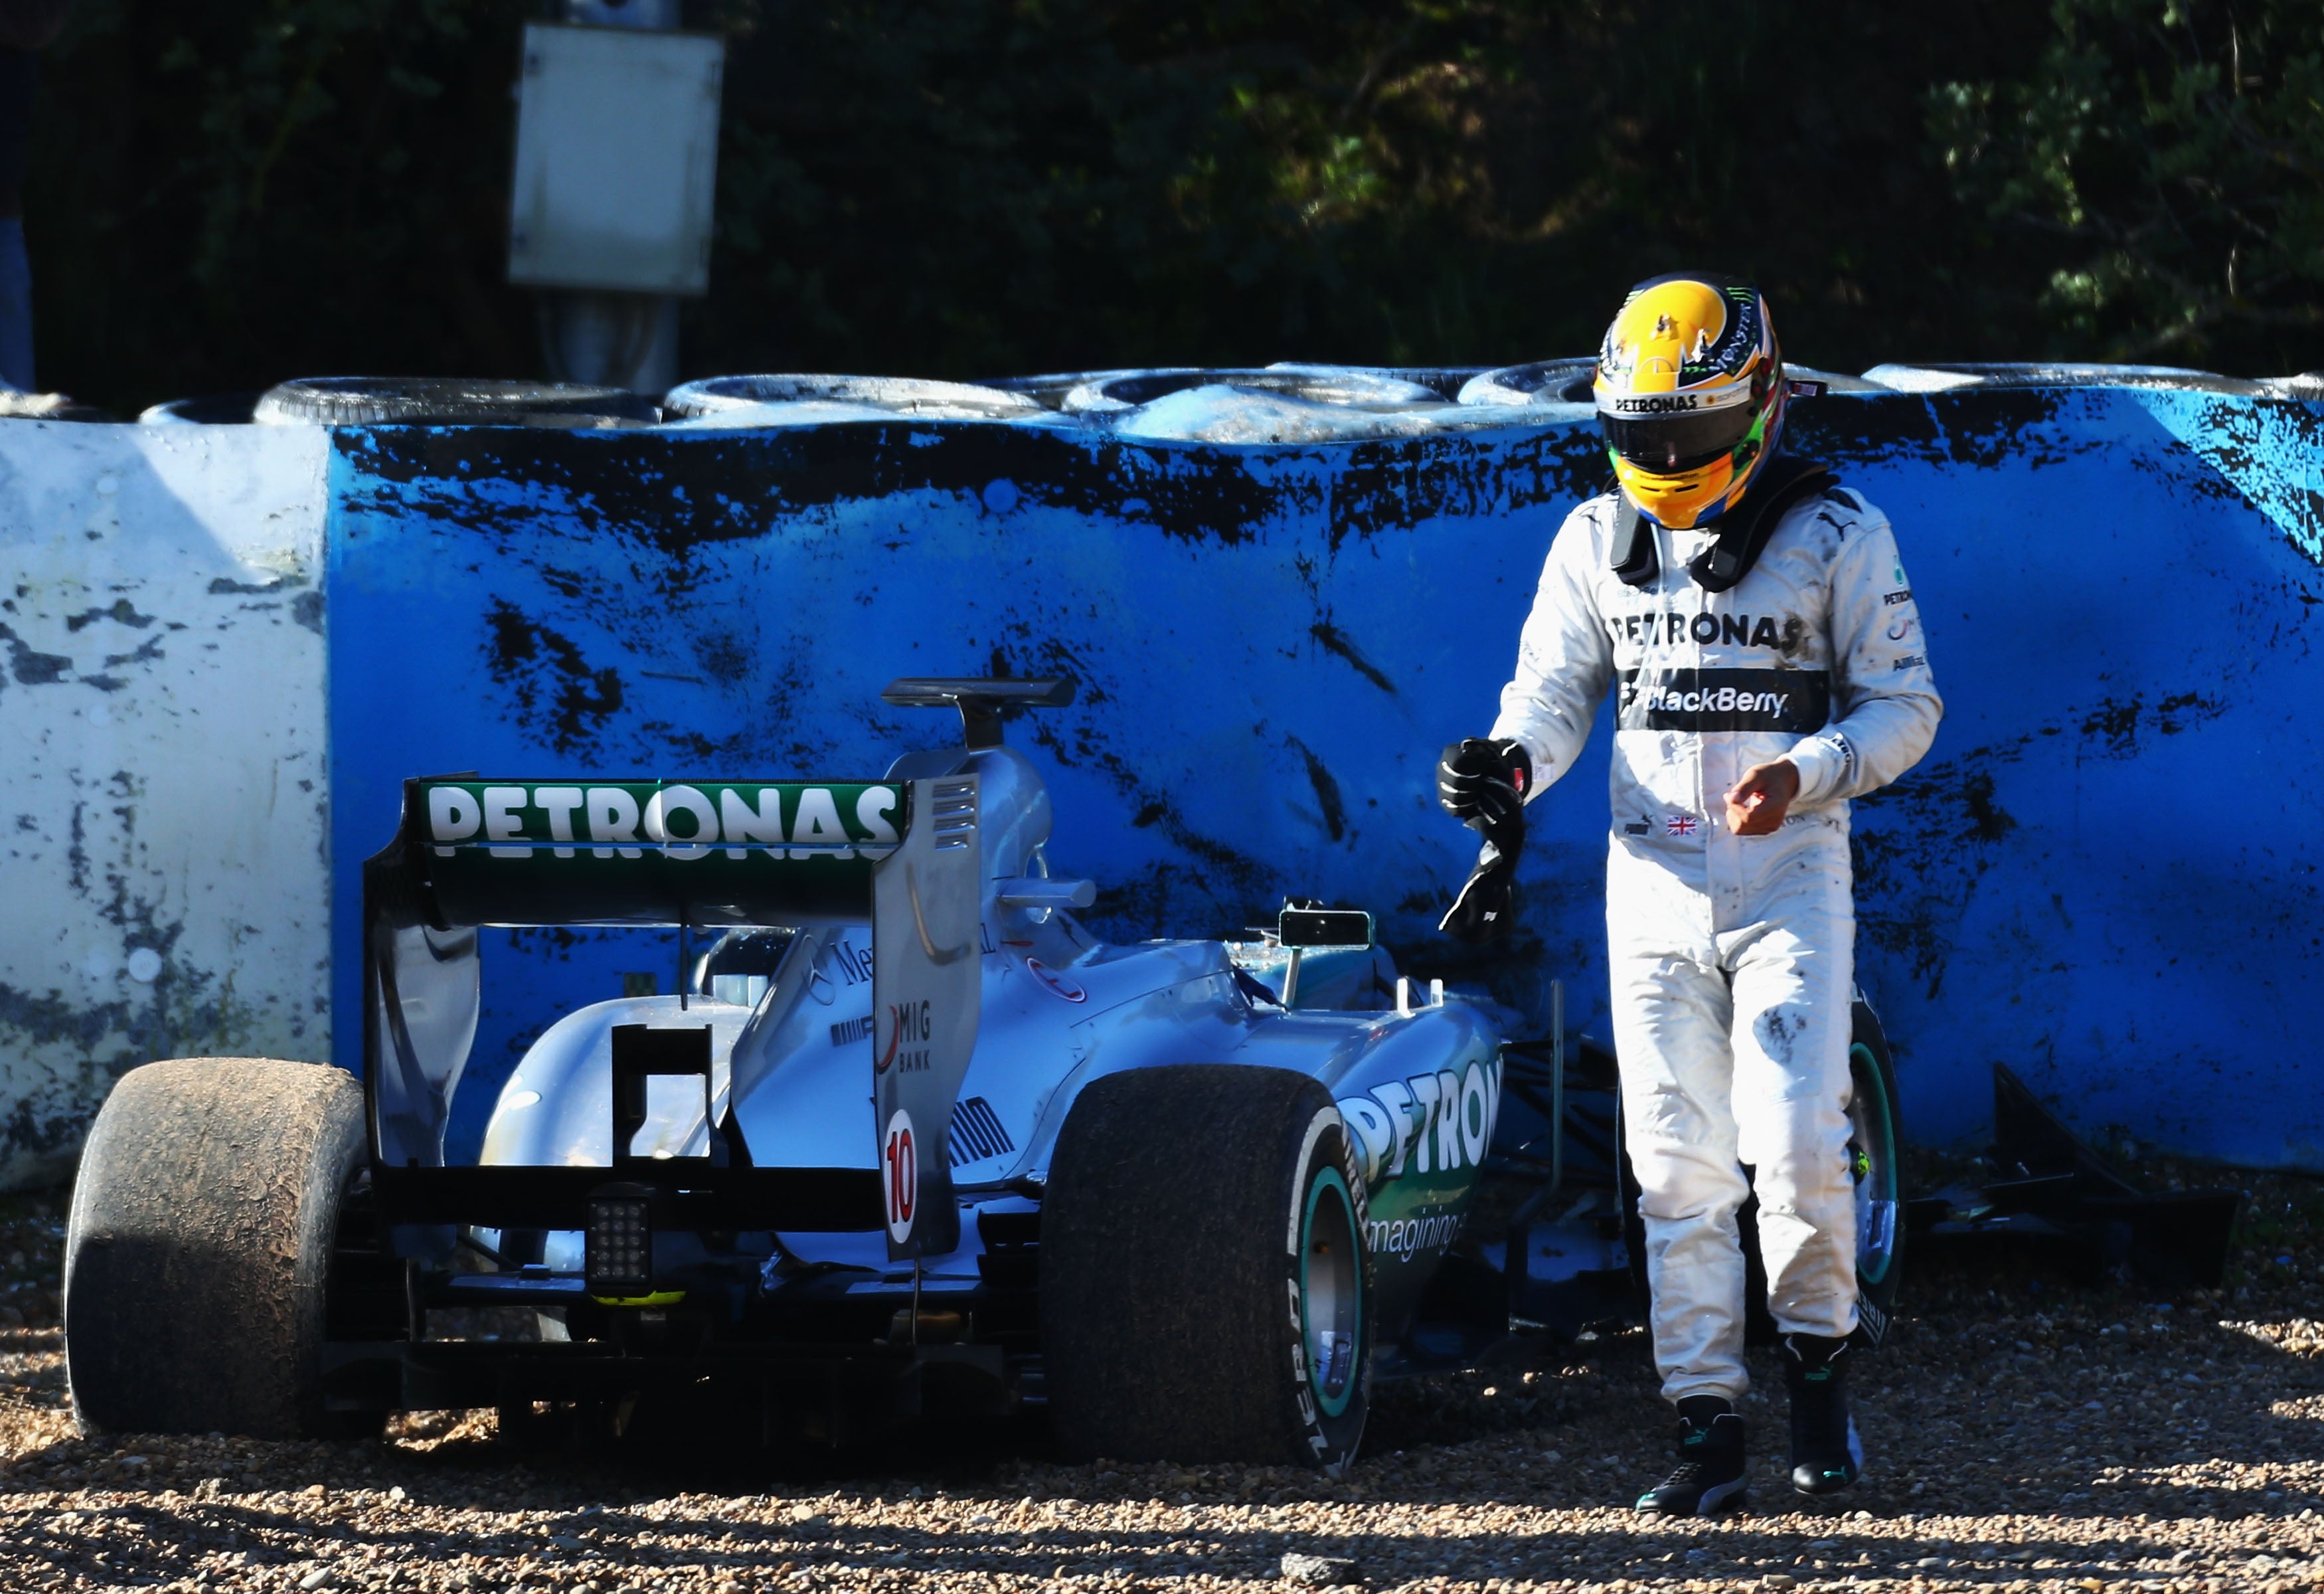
[1679,824]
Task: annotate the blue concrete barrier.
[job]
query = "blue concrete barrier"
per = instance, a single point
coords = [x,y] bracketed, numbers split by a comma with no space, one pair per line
[2104,874]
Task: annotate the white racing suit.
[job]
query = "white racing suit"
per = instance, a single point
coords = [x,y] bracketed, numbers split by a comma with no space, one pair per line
[1732,957]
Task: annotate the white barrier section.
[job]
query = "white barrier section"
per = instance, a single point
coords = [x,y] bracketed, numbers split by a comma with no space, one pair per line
[162,808]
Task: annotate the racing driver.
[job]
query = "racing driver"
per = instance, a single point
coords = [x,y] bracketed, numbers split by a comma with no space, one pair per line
[1752,619]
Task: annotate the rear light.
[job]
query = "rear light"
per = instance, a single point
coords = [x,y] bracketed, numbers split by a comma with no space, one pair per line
[619,1255]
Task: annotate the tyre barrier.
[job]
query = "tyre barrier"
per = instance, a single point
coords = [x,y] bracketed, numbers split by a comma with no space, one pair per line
[1264,405]
[1051,389]
[1303,583]
[385,400]
[1537,382]
[1951,378]
[1284,403]
[1297,591]
[1445,381]
[1093,397]
[49,406]
[1315,384]
[1290,403]
[1568,381]
[795,400]
[216,409]
[444,401]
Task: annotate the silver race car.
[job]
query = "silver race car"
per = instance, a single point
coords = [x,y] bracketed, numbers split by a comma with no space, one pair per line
[910,1141]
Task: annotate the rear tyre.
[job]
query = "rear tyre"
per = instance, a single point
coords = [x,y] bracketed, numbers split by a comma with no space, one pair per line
[199,1251]
[1206,1290]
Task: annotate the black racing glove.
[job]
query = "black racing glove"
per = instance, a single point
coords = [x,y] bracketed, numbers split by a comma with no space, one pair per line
[1486,906]
[1483,784]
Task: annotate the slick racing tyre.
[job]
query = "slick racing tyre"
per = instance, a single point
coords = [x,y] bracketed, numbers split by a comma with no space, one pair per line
[1206,1293]
[1876,1138]
[199,1252]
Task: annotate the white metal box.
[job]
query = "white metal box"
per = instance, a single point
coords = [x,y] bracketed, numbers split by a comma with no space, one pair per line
[616,159]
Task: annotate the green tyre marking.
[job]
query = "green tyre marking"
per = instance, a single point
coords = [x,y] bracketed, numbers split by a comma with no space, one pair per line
[1886,1162]
[1330,1404]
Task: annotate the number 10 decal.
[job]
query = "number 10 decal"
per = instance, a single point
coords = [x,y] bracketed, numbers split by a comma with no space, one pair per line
[926,980]
[900,1175]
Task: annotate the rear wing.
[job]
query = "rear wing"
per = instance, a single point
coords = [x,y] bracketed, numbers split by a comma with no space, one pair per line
[902,856]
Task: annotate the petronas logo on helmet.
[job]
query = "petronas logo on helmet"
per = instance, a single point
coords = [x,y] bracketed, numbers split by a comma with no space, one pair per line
[1690,396]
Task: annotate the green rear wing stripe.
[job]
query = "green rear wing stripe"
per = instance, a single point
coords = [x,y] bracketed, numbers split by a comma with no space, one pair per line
[650,852]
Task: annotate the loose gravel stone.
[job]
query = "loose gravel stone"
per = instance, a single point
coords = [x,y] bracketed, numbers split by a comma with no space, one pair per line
[2024,1433]
[1318,1571]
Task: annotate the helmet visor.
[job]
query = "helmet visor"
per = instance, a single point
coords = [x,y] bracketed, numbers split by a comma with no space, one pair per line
[1672,443]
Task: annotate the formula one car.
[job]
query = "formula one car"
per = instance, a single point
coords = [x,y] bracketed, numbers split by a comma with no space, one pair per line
[916,1142]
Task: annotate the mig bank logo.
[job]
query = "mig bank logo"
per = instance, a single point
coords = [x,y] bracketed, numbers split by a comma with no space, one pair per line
[909,1025]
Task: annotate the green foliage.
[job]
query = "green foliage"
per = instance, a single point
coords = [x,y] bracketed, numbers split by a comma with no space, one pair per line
[225,194]
[2170,153]
[962,186]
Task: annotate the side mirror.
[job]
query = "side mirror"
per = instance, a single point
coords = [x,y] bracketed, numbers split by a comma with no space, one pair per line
[1324,927]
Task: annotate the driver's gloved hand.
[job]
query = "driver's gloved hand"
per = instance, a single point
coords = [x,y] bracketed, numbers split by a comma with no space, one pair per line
[1487,904]
[1484,783]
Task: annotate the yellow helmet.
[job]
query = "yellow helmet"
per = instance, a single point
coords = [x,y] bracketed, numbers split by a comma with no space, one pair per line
[1690,394]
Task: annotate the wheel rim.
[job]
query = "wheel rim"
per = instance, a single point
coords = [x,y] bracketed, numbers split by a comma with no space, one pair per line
[1330,1291]
[1872,1165]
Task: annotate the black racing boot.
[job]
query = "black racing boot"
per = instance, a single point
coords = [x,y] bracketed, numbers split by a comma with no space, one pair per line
[1709,1474]
[1826,1454]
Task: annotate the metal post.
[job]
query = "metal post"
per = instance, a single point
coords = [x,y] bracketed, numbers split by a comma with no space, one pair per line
[605,338]
[1556,1083]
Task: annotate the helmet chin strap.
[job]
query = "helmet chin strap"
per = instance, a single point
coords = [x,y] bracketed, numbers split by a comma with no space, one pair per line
[1635,562]
[1743,531]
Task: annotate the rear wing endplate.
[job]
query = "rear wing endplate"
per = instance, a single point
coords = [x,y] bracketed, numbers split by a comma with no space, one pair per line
[902,856]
